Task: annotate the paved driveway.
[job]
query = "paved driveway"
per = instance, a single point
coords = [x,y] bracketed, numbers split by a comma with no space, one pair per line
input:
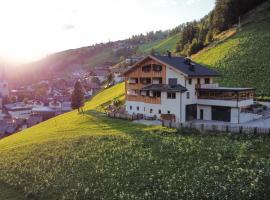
[262,123]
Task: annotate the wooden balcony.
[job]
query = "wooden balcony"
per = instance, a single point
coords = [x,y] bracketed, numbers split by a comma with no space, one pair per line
[225,95]
[136,86]
[145,99]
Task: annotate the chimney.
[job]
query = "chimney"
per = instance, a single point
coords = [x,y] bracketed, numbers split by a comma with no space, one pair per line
[192,67]
[169,54]
[187,61]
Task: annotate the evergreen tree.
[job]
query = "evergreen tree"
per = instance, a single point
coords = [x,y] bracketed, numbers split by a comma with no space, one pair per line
[109,78]
[78,97]
[152,52]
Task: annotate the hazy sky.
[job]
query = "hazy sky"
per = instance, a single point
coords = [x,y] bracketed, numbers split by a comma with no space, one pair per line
[30,29]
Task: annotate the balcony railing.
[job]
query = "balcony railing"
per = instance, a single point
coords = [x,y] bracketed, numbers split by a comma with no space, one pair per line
[226,96]
[145,99]
[207,86]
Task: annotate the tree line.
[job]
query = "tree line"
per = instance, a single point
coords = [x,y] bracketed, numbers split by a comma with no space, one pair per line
[196,35]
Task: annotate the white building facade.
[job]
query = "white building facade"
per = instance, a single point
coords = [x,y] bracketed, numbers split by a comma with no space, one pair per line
[175,88]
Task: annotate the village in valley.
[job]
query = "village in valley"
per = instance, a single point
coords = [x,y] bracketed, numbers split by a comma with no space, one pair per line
[25,106]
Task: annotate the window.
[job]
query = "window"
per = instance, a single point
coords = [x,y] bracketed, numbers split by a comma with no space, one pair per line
[171,95]
[145,80]
[172,81]
[156,93]
[188,96]
[159,111]
[206,80]
[151,110]
[138,108]
[190,81]
[157,68]
[146,68]
[157,81]
[130,107]
[198,81]
[169,112]
[133,80]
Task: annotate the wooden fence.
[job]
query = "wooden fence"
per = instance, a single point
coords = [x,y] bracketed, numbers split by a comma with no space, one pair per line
[201,127]
[204,128]
[123,116]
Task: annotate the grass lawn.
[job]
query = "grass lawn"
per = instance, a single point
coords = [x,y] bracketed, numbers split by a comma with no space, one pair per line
[6,193]
[91,156]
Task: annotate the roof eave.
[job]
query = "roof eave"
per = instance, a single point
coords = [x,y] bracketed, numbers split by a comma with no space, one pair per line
[204,75]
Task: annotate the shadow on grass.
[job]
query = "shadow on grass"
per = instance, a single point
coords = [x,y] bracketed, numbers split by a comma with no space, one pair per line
[136,131]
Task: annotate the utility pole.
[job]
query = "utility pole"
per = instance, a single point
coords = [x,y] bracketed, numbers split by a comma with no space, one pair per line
[239,23]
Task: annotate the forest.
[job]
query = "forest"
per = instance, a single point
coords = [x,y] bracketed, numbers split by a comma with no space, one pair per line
[195,35]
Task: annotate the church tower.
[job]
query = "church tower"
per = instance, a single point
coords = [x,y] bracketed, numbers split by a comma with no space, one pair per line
[4,89]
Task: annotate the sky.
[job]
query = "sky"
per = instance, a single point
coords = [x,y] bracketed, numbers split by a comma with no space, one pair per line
[32,29]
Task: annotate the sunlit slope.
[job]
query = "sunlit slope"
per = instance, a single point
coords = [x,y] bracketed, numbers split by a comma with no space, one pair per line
[161,46]
[243,59]
[64,125]
[91,156]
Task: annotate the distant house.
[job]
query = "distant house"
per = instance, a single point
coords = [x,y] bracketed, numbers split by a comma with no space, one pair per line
[101,74]
[6,128]
[18,110]
[117,73]
[45,111]
[34,119]
[55,104]
[38,103]
[179,89]
[66,106]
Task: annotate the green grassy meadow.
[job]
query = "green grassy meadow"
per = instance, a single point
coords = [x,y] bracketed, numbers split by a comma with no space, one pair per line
[160,46]
[243,59]
[90,156]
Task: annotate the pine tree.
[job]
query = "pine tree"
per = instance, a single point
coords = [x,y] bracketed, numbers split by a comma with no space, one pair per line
[152,52]
[78,97]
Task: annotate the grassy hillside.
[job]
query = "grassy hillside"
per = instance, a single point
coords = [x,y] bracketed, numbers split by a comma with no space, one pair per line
[93,157]
[243,59]
[160,46]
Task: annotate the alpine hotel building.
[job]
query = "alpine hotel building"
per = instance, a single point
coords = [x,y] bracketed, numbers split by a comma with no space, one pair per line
[176,88]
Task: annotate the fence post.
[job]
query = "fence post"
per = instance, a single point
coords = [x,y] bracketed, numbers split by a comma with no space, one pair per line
[227,129]
[213,128]
[170,124]
[162,123]
[202,127]
[241,129]
[255,130]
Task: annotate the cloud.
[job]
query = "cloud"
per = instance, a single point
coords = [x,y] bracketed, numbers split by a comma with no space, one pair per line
[69,26]
[190,2]
[164,2]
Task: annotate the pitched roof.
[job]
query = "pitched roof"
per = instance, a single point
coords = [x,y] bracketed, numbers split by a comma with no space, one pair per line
[180,64]
[165,87]
[101,72]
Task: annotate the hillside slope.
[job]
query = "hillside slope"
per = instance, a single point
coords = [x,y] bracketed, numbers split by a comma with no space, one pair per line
[160,46]
[91,156]
[243,59]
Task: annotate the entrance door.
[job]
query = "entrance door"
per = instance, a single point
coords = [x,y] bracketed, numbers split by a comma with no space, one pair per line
[221,113]
[201,114]
[191,112]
